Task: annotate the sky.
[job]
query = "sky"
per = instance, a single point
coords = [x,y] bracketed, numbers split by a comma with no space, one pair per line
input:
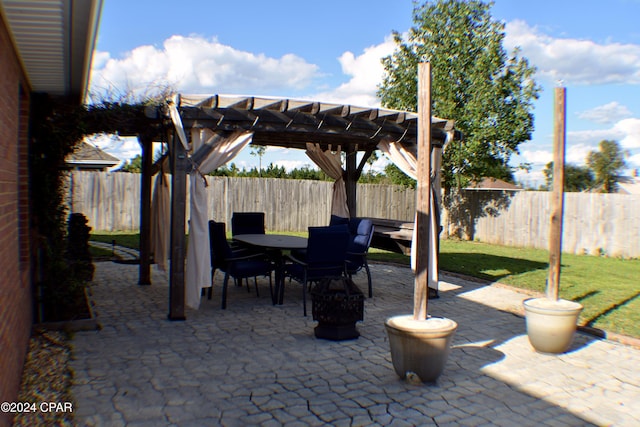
[330,51]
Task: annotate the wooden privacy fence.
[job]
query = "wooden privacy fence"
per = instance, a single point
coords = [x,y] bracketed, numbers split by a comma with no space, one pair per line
[111,201]
[593,223]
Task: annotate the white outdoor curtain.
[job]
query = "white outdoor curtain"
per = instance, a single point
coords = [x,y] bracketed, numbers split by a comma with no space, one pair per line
[408,164]
[331,164]
[160,219]
[222,150]
[177,121]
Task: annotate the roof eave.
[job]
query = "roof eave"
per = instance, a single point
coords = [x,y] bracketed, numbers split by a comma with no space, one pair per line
[54,41]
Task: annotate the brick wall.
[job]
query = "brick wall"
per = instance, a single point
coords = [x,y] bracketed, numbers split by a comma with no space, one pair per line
[15,286]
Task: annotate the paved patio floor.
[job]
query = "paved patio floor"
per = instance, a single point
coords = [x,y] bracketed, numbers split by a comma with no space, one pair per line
[259,364]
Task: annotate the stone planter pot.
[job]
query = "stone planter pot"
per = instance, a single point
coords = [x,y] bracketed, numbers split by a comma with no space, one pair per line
[420,347]
[551,324]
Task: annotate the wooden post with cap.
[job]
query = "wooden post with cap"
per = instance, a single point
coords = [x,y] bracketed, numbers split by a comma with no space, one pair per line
[557,195]
[423,197]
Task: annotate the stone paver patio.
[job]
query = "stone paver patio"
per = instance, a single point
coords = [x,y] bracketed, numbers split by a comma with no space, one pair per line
[259,364]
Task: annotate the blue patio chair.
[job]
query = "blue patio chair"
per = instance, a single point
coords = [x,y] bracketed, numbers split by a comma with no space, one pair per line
[361,233]
[338,220]
[247,223]
[324,258]
[236,264]
[334,221]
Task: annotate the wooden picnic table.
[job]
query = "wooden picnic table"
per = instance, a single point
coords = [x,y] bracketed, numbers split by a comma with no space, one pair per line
[392,235]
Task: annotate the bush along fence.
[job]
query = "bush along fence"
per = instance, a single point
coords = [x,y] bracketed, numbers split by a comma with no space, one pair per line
[597,224]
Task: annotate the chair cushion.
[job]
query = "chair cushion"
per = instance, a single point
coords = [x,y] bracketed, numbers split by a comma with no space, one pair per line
[249,268]
[360,230]
[360,226]
[247,223]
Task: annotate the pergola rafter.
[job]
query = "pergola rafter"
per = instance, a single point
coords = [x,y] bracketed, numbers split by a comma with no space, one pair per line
[292,123]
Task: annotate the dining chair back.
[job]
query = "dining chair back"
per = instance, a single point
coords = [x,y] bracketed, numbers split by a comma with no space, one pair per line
[361,233]
[326,251]
[324,259]
[338,220]
[247,223]
[236,264]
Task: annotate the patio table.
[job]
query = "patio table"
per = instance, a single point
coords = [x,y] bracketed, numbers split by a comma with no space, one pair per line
[274,244]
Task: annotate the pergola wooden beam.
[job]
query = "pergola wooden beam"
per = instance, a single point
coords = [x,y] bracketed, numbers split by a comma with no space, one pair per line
[328,125]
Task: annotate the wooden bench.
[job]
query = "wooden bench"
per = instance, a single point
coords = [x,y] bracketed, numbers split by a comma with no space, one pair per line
[392,235]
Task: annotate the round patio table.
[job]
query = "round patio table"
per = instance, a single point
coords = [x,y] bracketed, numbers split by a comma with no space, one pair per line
[275,244]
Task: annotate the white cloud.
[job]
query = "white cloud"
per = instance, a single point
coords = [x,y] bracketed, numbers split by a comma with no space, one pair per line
[630,131]
[124,148]
[634,161]
[591,136]
[575,61]
[533,179]
[198,65]
[606,114]
[195,64]
[379,165]
[626,132]
[100,59]
[289,165]
[537,157]
[277,150]
[365,71]
[576,154]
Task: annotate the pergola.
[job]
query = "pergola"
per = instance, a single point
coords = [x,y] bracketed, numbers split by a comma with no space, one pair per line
[277,122]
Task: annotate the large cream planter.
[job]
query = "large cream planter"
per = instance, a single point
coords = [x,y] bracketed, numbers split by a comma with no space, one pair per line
[420,347]
[551,324]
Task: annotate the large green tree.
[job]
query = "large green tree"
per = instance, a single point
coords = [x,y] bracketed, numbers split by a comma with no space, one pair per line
[607,164]
[487,92]
[133,165]
[576,178]
[397,177]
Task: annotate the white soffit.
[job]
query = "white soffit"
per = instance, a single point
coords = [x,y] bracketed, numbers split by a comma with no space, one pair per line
[55,41]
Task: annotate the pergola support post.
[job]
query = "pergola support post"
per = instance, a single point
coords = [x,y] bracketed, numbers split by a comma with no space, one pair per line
[146,143]
[179,165]
[351,180]
[352,175]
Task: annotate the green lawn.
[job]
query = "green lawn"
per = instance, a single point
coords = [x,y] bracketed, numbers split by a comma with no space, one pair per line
[128,239]
[609,288]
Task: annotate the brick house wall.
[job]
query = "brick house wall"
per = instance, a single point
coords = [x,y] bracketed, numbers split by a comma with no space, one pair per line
[15,258]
